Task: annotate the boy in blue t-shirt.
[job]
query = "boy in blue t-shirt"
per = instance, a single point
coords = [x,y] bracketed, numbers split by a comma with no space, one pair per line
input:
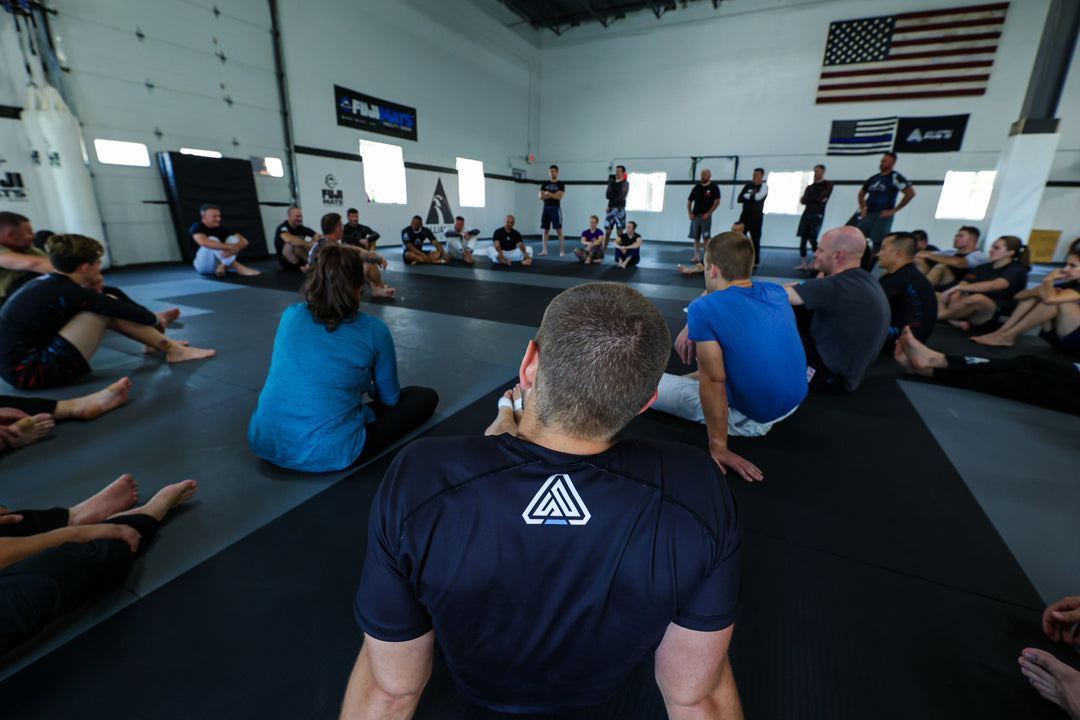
[751,363]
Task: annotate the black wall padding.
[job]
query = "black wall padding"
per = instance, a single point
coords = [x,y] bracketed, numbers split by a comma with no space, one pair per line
[229,183]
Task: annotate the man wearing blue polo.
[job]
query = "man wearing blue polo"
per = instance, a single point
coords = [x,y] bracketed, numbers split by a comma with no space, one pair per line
[877,200]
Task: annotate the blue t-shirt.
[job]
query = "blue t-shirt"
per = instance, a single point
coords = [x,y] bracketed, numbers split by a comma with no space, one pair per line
[763,355]
[881,190]
[548,577]
[311,412]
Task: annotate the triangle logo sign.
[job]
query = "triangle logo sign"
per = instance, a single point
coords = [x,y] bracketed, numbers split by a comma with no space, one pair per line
[440,207]
[557,503]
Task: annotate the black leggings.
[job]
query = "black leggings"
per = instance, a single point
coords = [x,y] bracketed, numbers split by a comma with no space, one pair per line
[30,406]
[753,231]
[414,406]
[38,589]
[1047,383]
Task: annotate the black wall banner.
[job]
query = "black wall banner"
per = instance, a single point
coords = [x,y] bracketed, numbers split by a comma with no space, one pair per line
[944,133]
[364,112]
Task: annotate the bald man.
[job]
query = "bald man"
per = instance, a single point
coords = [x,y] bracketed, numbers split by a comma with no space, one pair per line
[849,318]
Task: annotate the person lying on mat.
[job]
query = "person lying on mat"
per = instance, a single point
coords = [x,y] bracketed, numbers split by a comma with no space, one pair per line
[20,261]
[311,413]
[1052,679]
[1055,305]
[52,561]
[333,233]
[989,290]
[26,420]
[51,328]
[751,365]
[697,268]
[571,554]
[413,238]
[218,245]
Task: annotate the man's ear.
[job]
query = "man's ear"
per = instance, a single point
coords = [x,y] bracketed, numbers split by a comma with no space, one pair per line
[655,396]
[529,365]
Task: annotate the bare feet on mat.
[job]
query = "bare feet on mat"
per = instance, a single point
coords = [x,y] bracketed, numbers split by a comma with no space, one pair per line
[383,292]
[93,406]
[182,353]
[961,324]
[1052,679]
[147,349]
[167,316]
[994,340]
[220,270]
[165,500]
[245,271]
[118,496]
[916,357]
[31,429]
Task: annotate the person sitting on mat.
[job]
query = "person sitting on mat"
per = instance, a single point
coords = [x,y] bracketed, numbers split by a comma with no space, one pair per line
[912,300]
[592,241]
[52,561]
[218,245]
[20,261]
[26,420]
[698,268]
[1055,305]
[311,413]
[293,241]
[945,269]
[461,242]
[751,364]
[1052,679]
[1050,384]
[628,247]
[849,318]
[988,290]
[333,234]
[51,328]
[507,245]
[613,550]
[413,238]
[357,234]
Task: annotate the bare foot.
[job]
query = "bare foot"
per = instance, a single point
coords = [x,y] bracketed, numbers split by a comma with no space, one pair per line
[182,353]
[517,396]
[923,359]
[384,292]
[961,324]
[562,254]
[147,349]
[1053,679]
[32,428]
[245,270]
[220,270]
[699,268]
[505,420]
[165,500]
[468,258]
[93,406]
[118,496]
[993,339]
[167,316]
[542,252]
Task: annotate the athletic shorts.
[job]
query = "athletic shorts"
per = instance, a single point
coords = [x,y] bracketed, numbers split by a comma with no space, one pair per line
[57,363]
[1070,344]
[700,228]
[809,226]
[551,218]
[616,217]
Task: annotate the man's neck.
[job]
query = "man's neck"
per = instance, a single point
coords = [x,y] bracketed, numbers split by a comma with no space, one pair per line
[724,284]
[899,267]
[532,430]
[841,268]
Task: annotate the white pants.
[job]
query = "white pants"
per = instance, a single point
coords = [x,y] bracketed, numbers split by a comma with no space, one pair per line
[514,255]
[456,246]
[681,396]
[206,259]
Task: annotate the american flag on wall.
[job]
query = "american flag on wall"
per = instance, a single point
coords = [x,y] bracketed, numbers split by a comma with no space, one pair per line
[932,54]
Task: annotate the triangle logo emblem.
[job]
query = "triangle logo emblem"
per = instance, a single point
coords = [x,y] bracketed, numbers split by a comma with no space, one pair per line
[557,503]
[439,212]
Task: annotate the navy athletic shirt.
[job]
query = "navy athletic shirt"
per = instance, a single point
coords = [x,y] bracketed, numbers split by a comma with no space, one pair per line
[548,577]
[881,190]
[416,238]
[353,235]
[302,231]
[552,186]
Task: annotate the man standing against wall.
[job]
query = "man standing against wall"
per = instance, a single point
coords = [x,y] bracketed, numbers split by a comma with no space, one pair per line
[703,201]
[617,190]
[814,198]
[551,192]
[877,200]
[752,198]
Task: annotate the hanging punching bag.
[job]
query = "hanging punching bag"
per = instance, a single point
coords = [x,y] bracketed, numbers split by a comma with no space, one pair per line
[55,135]
[20,186]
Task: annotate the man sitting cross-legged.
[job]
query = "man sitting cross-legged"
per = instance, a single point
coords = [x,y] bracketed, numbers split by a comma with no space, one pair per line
[507,245]
[613,550]
[333,234]
[26,420]
[413,238]
[912,301]
[218,245]
[461,241]
[52,327]
[751,365]
[51,561]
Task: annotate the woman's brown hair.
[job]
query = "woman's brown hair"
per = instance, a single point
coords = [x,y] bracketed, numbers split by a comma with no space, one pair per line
[334,284]
[1021,253]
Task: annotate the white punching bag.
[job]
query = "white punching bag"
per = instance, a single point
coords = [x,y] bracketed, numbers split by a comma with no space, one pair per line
[20,186]
[54,132]
[47,214]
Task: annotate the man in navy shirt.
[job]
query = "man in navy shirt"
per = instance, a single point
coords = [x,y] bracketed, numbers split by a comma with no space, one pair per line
[293,241]
[877,200]
[550,559]
[912,300]
[551,192]
[413,238]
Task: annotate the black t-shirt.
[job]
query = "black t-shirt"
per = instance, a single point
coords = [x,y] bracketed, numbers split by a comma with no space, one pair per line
[617,191]
[552,186]
[416,238]
[816,196]
[302,232]
[353,235]
[507,240]
[220,233]
[912,302]
[625,239]
[750,206]
[548,577]
[1015,273]
[703,197]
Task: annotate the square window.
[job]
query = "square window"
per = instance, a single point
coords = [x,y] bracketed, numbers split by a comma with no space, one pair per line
[384,172]
[785,192]
[646,192]
[965,195]
[119,152]
[470,183]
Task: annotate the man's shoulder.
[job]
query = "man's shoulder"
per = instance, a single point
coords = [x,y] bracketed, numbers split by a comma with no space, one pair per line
[198,228]
[33,251]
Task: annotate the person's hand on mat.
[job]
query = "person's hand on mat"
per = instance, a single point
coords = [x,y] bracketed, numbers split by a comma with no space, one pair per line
[108,531]
[9,518]
[686,348]
[727,459]
[1060,621]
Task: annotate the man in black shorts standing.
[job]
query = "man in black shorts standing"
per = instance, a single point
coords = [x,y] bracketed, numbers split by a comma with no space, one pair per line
[703,201]
[358,235]
[585,554]
[815,197]
[551,192]
[617,190]
[752,198]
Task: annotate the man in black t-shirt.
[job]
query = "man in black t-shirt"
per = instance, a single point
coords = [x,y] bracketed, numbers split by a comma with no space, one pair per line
[618,188]
[752,198]
[912,300]
[551,192]
[815,197]
[700,205]
[508,246]
[413,238]
[550,558]
[358,235]
[218,245]
[293,241]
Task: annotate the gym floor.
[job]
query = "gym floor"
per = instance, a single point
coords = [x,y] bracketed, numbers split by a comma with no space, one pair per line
[897,556]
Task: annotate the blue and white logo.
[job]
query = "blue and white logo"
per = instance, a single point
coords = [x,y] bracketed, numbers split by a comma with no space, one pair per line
[557,503]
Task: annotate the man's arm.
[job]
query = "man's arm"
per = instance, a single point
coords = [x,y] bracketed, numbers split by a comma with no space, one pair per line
[953,261]
[526,260]
[19,261]
[694,675]
[208,242]
[715,204]
[762,193]
[909,192]
[300,241]
[714,402]
[14,549]
[388,679]
[793,295]
[862,202]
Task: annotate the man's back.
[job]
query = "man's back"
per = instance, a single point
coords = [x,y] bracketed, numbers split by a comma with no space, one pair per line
[548,577]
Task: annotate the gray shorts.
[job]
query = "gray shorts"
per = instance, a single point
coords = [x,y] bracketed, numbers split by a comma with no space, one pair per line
[700,228]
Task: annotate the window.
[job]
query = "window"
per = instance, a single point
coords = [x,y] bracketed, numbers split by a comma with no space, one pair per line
[785,192]
[268,166]
[646,192]
[200,153]
[118,152]
[470,183]
[965,195]
[384,172]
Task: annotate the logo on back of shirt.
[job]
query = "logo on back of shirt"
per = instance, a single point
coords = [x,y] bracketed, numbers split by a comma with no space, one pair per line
[557,503]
